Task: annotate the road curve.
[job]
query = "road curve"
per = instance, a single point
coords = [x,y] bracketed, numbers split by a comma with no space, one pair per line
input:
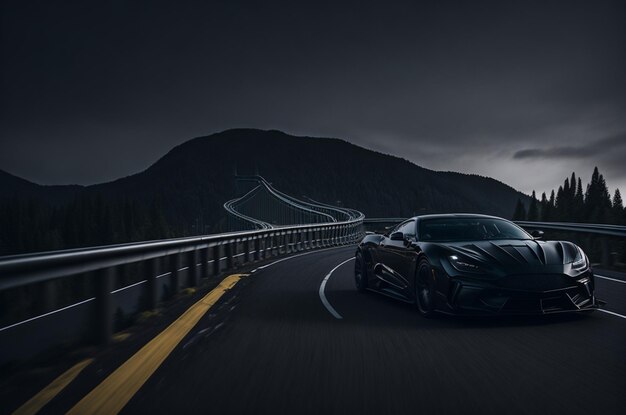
[277,349]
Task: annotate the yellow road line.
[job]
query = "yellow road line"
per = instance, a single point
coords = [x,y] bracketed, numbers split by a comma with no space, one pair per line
[113,393]
[38,401]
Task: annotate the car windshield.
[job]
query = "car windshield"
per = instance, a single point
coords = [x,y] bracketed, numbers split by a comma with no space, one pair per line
[469,229]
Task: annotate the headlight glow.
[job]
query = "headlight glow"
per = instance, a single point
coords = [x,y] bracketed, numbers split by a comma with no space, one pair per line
[462,265]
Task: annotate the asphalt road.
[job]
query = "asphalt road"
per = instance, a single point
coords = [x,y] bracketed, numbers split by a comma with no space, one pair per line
[271,346]
[281,351]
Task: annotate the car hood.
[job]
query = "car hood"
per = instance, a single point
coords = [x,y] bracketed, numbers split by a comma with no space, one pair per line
[517,256]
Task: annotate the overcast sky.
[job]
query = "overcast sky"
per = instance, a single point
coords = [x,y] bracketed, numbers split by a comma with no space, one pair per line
[525,92]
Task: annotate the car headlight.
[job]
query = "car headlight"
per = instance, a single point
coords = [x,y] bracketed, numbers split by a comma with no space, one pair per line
[580,261]
[463,265]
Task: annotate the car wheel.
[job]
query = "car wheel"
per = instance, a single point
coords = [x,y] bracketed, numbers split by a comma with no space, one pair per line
[360,272]
[425,289]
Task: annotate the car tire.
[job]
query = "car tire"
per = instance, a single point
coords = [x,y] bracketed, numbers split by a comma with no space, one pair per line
[360,272]
[425,289]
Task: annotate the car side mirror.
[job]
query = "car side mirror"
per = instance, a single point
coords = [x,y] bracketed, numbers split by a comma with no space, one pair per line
[397,236]
[537,234]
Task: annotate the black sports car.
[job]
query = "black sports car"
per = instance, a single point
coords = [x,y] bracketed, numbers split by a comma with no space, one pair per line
[475,264]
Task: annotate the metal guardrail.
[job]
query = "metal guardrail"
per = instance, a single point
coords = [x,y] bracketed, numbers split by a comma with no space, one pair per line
[23,270]
[592,228]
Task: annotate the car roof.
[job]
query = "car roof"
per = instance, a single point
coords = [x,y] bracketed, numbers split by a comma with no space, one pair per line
[455,215]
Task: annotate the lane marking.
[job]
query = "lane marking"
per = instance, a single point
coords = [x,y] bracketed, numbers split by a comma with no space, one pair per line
[113,393]
[611,312]
[19,323]
[296,256]
[37,402]
[128,286]
[329,307]
[610,279]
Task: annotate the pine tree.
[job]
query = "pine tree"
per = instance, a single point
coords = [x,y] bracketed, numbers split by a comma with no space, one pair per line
[617,208]
[551,207]
[533,211]
[597,199]
[520,211]
[559,208]
[544,207]
[579,203]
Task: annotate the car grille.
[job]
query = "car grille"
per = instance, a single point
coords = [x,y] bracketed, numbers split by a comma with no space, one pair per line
[536,282]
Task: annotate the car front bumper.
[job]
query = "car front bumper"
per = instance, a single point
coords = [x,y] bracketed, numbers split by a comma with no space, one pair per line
[522,295]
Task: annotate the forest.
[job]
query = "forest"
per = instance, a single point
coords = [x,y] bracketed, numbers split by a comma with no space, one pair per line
[570,204]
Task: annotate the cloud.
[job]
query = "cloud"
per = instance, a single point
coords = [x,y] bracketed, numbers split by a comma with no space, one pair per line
[605,145]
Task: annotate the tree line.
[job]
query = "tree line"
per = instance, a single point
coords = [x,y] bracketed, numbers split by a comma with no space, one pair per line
[88,220]
[570,204]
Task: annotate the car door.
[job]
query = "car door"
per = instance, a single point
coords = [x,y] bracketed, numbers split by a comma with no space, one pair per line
[396,256]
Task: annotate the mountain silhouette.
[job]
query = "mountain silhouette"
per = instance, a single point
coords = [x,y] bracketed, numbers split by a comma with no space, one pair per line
[193,180]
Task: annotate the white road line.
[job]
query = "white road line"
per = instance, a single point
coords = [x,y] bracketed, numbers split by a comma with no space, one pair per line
[610,279]
[128,286]
[46,314]
[329,307]
[296,256]
[611,312]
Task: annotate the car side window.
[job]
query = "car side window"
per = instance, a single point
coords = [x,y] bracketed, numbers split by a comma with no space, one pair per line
[408,229]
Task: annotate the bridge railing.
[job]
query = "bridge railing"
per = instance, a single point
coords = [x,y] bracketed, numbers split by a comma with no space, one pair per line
[163,264]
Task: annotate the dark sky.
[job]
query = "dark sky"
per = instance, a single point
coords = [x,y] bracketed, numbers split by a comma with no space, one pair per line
[525,92]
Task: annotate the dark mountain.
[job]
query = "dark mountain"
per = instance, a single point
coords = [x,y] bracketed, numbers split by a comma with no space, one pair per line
[186,188]
[13,187]
[195,178]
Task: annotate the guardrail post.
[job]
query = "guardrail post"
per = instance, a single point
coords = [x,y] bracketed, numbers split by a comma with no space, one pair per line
[229,255]
[264,243]
[295,240]
[216,259]
[104,314]
[204,258]
[174,266]
[289,242]
[152,297]
[192,279]
[257,248]
[246,249]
